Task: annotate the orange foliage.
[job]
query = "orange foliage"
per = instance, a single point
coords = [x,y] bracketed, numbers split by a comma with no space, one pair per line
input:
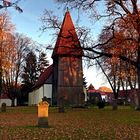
[105,89]
[7,44]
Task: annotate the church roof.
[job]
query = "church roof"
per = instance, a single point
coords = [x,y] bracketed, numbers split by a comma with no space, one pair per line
[67,42]
[44,76]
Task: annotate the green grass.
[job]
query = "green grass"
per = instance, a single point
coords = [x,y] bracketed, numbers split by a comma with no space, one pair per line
[76,124]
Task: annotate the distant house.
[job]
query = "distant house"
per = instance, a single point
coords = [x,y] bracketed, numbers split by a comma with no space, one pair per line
[127,96]
[107,96]
[100,95]
[5,99]
[93,96]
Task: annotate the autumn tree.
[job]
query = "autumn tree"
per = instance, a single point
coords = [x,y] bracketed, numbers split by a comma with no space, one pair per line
[8,84]
[117,12]
[13,49]
[6,44]
[118,73]
[9,59]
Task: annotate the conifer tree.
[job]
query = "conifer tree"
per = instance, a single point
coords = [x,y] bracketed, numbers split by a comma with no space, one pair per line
[30,70]
[43,63]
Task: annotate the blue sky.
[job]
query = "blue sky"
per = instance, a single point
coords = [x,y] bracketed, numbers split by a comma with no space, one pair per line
[29,23]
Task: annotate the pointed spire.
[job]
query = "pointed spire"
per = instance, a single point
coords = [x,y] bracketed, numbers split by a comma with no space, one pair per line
[67,42]
[67,8]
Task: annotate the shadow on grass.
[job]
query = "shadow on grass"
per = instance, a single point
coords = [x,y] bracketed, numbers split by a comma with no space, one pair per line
[32,127]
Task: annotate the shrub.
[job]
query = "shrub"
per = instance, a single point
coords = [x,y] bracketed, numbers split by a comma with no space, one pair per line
[3,107]
[101,104]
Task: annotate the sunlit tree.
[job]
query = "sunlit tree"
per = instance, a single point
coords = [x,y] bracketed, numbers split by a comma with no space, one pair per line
[122,14]
[6,44]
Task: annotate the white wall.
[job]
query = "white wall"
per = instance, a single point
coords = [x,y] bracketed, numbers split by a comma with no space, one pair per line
[85,92]
[104,97]
[7,101]
[36,96]
[48,90]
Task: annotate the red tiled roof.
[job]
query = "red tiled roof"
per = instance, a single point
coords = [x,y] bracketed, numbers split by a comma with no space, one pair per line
[105,93]
[93,90]
[44,76]
[67,41]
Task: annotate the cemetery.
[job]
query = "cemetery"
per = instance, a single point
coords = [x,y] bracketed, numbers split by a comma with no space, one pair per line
[43,101]
[92,123]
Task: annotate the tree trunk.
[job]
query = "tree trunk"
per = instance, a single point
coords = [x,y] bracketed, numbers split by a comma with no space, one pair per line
[115,101]
[13,102]
[137,106]
[61,108]
[137,101]
[0,78]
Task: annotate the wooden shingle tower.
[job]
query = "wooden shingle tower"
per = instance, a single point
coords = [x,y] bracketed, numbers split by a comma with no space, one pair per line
[67,65]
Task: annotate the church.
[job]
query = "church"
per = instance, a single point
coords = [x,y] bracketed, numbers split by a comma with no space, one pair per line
[64,78]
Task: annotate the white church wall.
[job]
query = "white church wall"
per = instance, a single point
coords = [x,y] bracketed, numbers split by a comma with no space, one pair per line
[48,90]
[7,101]
[30,101]
[36,96]
[85,92]
[39,95]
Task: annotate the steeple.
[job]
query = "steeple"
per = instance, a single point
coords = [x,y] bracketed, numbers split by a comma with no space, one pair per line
[67,42]
[67,65]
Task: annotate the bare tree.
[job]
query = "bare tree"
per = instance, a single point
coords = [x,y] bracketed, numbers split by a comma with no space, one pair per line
[7,3]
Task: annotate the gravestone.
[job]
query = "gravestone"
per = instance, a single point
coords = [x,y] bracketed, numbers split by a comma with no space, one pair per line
[43,107]
[61,105]
[114,104]
[136,101]
[3,107]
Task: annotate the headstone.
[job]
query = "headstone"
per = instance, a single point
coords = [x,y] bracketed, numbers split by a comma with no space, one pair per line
[114,104]
[61,105]
[136,100]
[3,107]
[43,107]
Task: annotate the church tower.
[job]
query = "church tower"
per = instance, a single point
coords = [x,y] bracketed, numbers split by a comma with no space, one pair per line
[67,65]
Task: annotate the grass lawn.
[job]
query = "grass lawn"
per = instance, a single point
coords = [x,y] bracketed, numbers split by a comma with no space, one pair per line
[20,123]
